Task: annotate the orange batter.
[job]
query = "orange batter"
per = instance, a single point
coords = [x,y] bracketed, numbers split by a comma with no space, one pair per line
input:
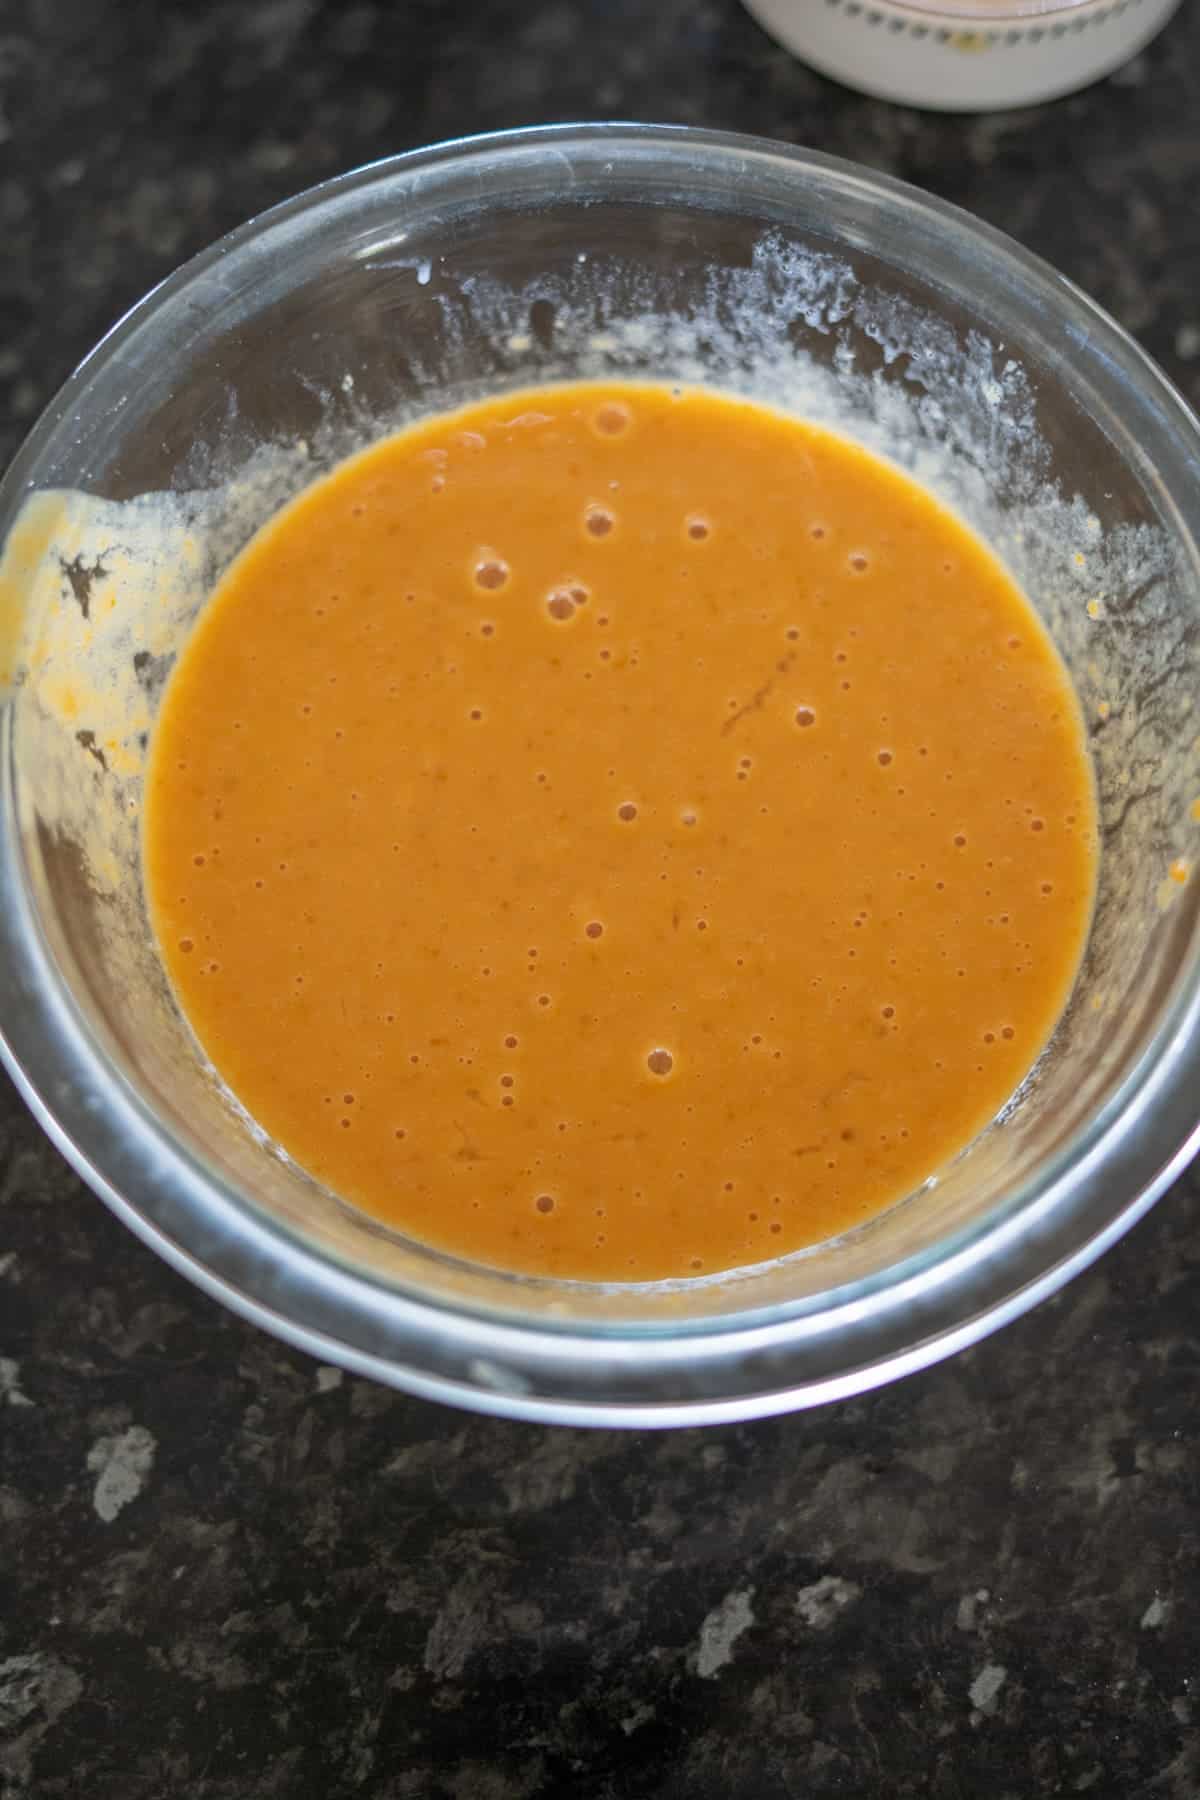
[620,832]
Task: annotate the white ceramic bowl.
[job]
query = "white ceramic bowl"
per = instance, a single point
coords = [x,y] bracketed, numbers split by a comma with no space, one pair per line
[964,55]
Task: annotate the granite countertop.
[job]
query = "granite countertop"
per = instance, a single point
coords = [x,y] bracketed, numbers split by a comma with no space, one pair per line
[228,1572]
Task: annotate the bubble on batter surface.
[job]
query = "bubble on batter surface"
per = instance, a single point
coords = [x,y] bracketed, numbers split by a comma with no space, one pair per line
[491,571]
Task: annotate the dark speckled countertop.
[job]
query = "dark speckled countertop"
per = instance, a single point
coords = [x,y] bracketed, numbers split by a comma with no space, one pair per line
[228,1572]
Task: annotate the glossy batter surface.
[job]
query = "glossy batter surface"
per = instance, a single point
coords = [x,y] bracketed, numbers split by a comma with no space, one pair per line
[618,833]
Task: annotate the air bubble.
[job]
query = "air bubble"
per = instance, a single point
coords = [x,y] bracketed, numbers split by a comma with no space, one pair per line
[805,716]
[885,757]
[490,571]
[560,606]
[960,841]
[627,811]
[816,532]
[598,521]
[594,929]
[475,713]
[510,1042]
[545,1203]
[612,418]
[660,1062]
[698,528]
[186,945]
[860,563]
[1037,824]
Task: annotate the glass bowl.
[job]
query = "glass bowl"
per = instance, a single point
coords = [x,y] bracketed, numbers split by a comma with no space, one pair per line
[542,255]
